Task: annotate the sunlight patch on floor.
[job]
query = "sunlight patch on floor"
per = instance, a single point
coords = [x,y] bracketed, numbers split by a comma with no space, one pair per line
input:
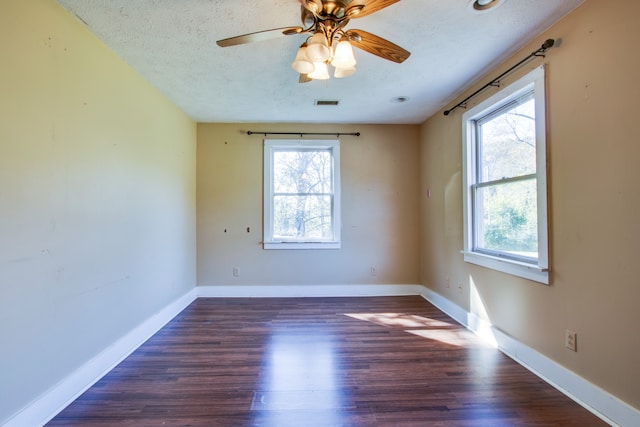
[424,327]
[445,336]
[400,320]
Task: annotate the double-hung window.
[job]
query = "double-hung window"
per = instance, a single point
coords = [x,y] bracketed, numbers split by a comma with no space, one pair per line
[505,169]
[301,194]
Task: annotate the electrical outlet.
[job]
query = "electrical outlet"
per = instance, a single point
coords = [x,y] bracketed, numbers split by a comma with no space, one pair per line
[447,282]
[236,272]
[373,271]
[571,340]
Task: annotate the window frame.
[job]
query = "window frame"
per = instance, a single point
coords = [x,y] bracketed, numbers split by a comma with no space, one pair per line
[538,270]
[270,147]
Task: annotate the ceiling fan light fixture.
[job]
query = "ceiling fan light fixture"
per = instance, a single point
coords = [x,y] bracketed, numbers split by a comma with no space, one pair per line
[328,43]
[321,71]
[318,48]
[301,63]
[344,72]
[343,57]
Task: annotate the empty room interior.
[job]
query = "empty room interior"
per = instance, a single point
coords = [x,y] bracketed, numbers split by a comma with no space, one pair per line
[144,195]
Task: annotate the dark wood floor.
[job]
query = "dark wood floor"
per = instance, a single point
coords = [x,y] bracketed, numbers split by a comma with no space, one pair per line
[384,361]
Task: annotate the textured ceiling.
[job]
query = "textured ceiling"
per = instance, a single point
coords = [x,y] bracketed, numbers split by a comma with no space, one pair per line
[172,44]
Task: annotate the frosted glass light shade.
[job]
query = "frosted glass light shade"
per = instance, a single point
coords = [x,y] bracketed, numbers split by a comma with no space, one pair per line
[343,57]
[321,72]
[301,63]
[318,48]
[341,72]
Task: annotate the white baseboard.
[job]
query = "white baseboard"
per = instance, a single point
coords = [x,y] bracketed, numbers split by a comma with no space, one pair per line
[280,291]
[49,404]
[604,405]
[452,309]
[596,400]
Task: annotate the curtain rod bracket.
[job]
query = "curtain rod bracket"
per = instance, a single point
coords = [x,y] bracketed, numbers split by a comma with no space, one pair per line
[496,82]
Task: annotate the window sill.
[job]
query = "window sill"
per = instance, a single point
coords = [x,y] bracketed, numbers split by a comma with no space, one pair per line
[515,268]
[301,245]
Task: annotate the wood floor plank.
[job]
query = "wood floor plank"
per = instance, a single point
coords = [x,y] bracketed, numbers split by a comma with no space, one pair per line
[382,361]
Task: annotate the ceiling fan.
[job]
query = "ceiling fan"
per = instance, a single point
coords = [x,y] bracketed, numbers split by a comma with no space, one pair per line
[329,42]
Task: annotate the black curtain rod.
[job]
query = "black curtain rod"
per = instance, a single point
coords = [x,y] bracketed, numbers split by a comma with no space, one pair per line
[337,134]
[496,82]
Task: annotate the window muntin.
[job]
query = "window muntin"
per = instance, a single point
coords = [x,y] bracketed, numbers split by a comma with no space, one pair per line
[505,198]
[302,182]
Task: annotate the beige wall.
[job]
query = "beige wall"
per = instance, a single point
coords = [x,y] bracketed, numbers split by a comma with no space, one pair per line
[379,209]
[593,93]
[97,199]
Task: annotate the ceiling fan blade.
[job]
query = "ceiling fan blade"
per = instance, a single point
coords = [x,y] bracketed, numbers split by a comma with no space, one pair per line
[377,45]
[259,36]
[360,8]
[304,78]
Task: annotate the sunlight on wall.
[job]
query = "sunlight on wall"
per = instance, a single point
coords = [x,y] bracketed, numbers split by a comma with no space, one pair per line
[478,319]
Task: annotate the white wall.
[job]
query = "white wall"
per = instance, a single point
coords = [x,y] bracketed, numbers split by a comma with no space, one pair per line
[97,199]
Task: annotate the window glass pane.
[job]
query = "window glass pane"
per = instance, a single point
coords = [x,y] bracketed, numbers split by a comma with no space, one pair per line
[506,218]
[296,172]
[302,217]
[507,143]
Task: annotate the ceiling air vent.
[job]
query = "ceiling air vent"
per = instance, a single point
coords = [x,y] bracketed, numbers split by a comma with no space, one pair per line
[327,102]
